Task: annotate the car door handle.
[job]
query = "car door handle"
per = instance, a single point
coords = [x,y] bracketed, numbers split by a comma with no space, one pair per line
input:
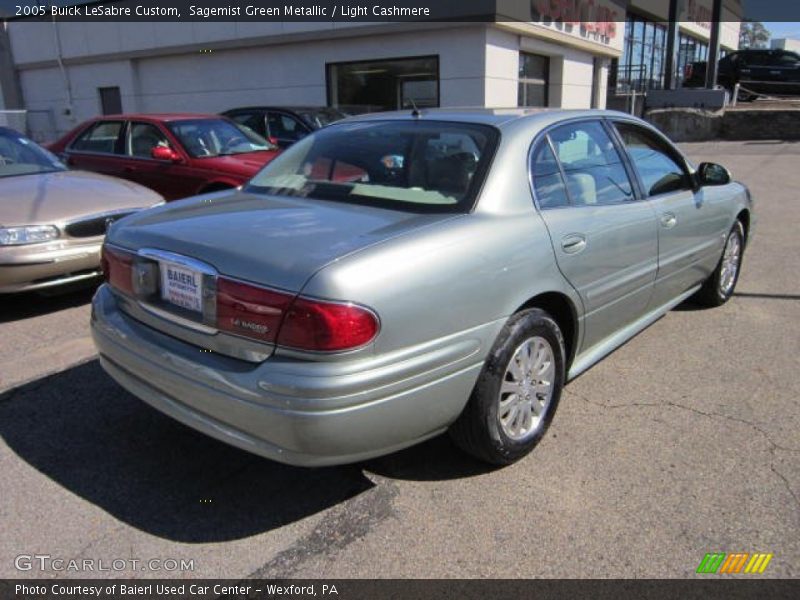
[573,243]
[668,220]
[130,169]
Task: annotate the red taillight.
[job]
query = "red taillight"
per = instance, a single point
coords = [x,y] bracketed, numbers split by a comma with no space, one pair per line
[117,267]
[267,315]
[250,310]
[304,324]
[327,326]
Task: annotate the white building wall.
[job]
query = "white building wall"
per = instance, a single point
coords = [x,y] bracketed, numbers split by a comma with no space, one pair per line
[571,70]
[275,73]
[785,44]
[502,68]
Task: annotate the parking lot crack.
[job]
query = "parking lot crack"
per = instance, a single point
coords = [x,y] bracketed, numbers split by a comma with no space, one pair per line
[710,415]
[782,477]
[773,446]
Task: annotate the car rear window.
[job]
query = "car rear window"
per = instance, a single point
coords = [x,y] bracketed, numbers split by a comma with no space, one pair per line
[423,166]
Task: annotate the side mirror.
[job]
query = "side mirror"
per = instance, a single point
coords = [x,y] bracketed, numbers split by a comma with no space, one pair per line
[712,174]
[165,153]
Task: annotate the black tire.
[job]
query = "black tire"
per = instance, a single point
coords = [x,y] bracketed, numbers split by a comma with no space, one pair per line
[477,430]
[712,293]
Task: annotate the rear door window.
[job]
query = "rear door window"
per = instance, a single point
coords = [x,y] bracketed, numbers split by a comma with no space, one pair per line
[592,165]
[548,184]
[101,137]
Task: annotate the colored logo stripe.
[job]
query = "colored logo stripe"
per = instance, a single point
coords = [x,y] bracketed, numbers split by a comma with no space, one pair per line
[711,562]
[734,563]
[758,564]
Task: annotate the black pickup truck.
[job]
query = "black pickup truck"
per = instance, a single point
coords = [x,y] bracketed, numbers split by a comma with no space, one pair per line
[759,72]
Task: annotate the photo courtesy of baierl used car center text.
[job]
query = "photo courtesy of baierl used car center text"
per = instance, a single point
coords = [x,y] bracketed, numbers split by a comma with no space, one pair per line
[404,299]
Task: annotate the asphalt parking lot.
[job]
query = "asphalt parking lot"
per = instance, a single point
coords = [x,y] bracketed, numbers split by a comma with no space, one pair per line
[684,441]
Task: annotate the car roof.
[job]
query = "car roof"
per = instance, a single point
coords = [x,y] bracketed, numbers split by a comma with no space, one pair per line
[9,131]
[290,108]
[158,116]
[498,117]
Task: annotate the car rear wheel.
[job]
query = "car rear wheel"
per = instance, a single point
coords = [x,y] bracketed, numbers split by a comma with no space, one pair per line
[517,391]
[718,288]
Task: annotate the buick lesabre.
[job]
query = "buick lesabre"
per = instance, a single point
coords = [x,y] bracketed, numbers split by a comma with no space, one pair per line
[395,276]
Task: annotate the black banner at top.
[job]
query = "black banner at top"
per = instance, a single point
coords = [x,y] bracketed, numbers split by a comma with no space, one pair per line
[378,10]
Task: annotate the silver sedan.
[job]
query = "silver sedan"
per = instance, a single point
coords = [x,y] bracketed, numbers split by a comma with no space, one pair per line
[395,276]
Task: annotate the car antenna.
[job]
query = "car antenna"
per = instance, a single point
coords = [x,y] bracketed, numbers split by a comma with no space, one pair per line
[414,113]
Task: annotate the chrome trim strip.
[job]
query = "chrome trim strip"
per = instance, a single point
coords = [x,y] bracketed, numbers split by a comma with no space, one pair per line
[177,259]
[168,316]
[100,215]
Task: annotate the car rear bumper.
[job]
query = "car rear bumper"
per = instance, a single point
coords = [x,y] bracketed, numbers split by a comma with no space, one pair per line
[40,266]
[296,412]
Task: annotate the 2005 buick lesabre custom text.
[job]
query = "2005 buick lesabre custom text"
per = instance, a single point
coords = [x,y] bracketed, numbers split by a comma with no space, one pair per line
[394,276]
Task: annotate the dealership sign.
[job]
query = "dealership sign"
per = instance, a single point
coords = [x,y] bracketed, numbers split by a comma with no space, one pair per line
[593,20]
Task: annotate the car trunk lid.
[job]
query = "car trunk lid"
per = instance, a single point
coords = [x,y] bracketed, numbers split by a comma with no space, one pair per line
[273,242]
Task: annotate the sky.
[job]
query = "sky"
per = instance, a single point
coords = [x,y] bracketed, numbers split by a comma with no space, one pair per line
[788,29]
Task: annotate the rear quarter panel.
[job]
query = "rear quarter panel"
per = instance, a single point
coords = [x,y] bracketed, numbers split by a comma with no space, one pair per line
[463,274]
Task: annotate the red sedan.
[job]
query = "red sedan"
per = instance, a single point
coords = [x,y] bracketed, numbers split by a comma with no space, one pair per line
[177,155]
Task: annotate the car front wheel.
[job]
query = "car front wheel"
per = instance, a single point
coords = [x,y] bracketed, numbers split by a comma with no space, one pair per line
[718,288]
[517,391]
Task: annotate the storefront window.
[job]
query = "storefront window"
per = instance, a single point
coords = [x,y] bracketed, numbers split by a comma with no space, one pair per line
[533,79]
[690,49]
[641,67]
[389,84]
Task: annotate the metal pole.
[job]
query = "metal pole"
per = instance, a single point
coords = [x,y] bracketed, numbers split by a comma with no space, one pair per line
[671,62]
[713,48]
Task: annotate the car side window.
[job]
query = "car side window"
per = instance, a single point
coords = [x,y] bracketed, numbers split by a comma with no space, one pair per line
[142,138]
[285,127]
[548,184]
[102,137]
[253,121]
[592,165]
[656,164]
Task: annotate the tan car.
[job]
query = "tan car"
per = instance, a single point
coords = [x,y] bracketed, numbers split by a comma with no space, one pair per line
[52,221]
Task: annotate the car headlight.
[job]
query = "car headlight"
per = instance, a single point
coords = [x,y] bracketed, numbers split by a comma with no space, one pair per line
[29,234]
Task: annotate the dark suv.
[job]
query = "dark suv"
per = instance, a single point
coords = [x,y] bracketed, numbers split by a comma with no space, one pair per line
[284,125]
[757,71]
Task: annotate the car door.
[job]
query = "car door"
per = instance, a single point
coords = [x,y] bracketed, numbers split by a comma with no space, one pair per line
[160,175]
[691,221]
[285,128]
[98,148]
[604,239]
[784,71]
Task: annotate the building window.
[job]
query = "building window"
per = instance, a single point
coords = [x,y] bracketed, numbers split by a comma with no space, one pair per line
[690,49]
[641,66]
[533,79]
[643,62]
[389,84]
[110,100]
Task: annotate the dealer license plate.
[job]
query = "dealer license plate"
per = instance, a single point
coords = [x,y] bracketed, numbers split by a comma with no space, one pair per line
[182,287]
